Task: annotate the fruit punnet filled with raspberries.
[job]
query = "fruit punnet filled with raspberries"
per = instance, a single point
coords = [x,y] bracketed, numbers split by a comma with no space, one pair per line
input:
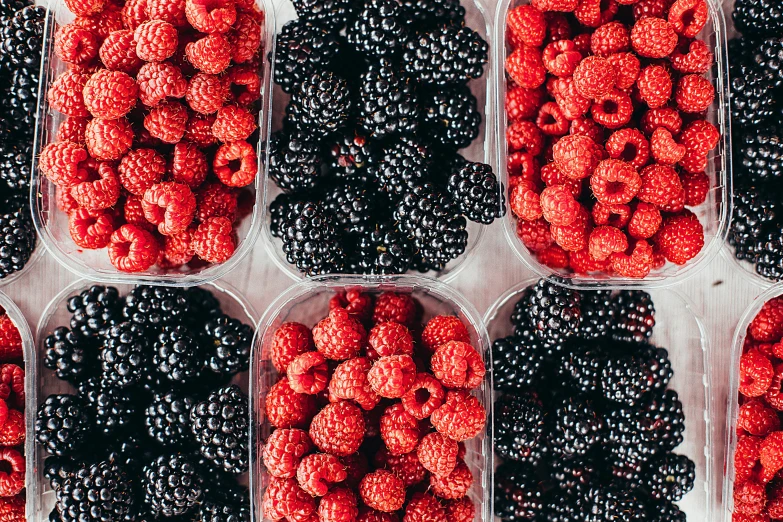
[155,151]
[367,162]
[586,427]
[608,139]
[154,426]
[370,415]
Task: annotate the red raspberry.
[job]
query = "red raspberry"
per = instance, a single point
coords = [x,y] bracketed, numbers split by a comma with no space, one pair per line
[645,221]
[746,456]
[283,451]
[391,306]
[284,498]
[210,54]
[699,138]
[454,485]
[167,122]
[103,23]
[13,430]
[10,343]
[206,93]
[609,39]
[370,515]
[65,94]
[774,394]
[245,85]
[214,240]
[582,43]
[216,200]
[653,38]
[338,505]
[423,507]
[156,40]
[525,201]
[72,129]
[399,430]
[749,497]
[110,94]
[442,329]
[664,149]
[757,419]
[535,235]
[233,123]
[100,190]
[573,237]
[553,257]
[438,454]
[767,326]
[694,93]
[169,205]
[587,127]
[339,336]
[561,57]
[85,7]
[524,136]
[613,215]
[613,110]
[553,176]
[573,104]
[460,510]
[90,229]
[755,374]
[551,120]
[665,117]
[688,17]
[576,156]
[211,16]
[349,382]
[12,473]
[356,467]
[108,139]
[771,453]
[357,304]
[170,11]
[227,156]
[680,238]
[177,249]
[628,69]
[287,409]
[615,182]
[189,166]
[653,8]
[308,373]
[338,428]
[118,52]
[12,509]
[655,86]
[60,163]
[133,249]
[198,131]
[424,396]
[389,338]
[660,185]
[383,491]
[75,45]
[775,500]
[605,241]
[245,38]
[318,471]
[590,14]
[526,68]
[407,466]
[461,417]
[696,186]
[392,375]
[594,77]
[158,81]
[697,60]
[525,25]
[582,263]
[457,364]
[289,340]
[559,206]
[635,265]
[134,13]
[629,145]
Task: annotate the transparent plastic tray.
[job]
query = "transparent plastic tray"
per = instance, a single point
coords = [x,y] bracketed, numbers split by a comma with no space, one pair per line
[52,224]
[680,330]
[308,302]
[478,17]
[746,269]
[40,382]
[714,213]
[37,254]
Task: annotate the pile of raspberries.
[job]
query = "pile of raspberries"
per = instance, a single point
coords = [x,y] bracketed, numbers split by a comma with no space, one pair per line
[607,138]
[160,102]
[758,458]
[370,414]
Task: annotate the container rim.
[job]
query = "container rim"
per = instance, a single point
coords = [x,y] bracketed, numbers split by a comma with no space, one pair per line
[744,268]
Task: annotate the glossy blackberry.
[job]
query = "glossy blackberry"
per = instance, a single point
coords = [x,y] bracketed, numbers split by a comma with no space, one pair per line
[519,426]
[515,363]
[576,428]
[321,104]
[350,154]
[624,377]
[564,506]
[279,208]
[294,161]
[329,14]
[99,491]
[167,418]
[448,54]
[755,213]
[21,105]
[449,116]
[352,205]
[123,355]
[434,224]
[427,13]
[381,249]
[203,304]
[171,485]
[666,512]
[61,424]
[770,260]
[758,17]
[311,241]
[210,511]
[752,96]
[627,441]
[518,493]
[9,7]
[769,57]
[519,316]
[15,165]
[220,425]
[217,485]
[403,164]
[17,241]
[573,476]
[227,345]
[619,503]
[658,366]
[760,154]
[598,312]
[111,410]
[57,469]
[583,364]
[634,316]
[478,194]
[554,311]
[154,307]
[388,101]
[380,29]
[176,355]
[301,50]
[22,34]
[669,476]
[94,310]
[69,355]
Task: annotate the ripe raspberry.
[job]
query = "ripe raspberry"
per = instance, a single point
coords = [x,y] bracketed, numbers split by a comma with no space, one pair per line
[287,409]
[338,428]
[664,149]
[629,145]
[525,201]
[167,122]
[198,131]
[65,94]
[438,454]
[12,509]
[245,84]
[612,110]
[647,8]
[613,215]
[72,129]
[75,45]
[177,249]
[214,240]
[211,16]
[660,185]
[526,68]
[158,81]
[594,77]
[553,176]
[573,237]
[749,497]
[696,186]
[283,451]
[60,163]
[370,515]
[457,364]
[233,123]
[134,214]
[10,344]
[535,235]
[399,430]
[774,394]
[636,264]
[615,182]
[169,205]
[339,336]
[609,39]
[206,93]
[349,382]
[189,166]
[771,453]
[551,120]
[627,67]
[108,139]
[680,238]
[525,25]
[103,23]
[245,38]
[666,117]
[424,396]
[655,86]
[694,93]
[318,471]
[755,374]
[100,190]
[767,326]
[383,491]
[460,510]
[576,156]
[90,229]
[590,14]
[645,221]
[757,419]
[553,257]
[407,466]
[110,94]
[571,103]
[587,127]
[775,500]
[133,249]
[423,507]
[653,37]
[227,156]
[284,498]
[156,40]
[461,417]
[454,485]
[338,505]
[524,136]
[442,329]
[746,456]
[118,52]
[559,206]
[210,54]
[389,338]
[391,306]
[582,43]
[170,11]
[216,200]
[308,373]
[582,263]
[605,241]
[696,60]
[12,473]
[289,340]
[356,303]
[85,7]
[561,57]
[688,17]
[392,375]
[700,137]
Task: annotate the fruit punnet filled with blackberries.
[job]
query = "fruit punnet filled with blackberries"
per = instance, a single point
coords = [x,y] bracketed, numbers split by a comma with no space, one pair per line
[586,426]
[154,151]
[154,425]
[368,160]
[610,134]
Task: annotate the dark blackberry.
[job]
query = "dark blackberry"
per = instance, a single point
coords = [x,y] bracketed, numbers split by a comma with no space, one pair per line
[294,161]
[427,13]
[519,426]
[658,366]
[760,154]
[203,304]
[388,101]
[94,310]
[519,316]
[210,511]
[576,428]
[666,512]
[21,105]
[220,425]
[434,224]
[17,241]
[634,316]
[625,377]
[583,364]
[99,491]
[352,205]
[321,104]
[329,14]
[573,476]
[217,485]
[752,96]
[382,249]
[478,194]
[61,424]
[449,116]
[57,469]
[123,355]
[380,29]
[518,493]
[769,57]
[616,502]
[279,209]
[70,356]
[112,410]
[598,312]
[554,311]
[302,49]
[663,419]
[176,355]
[403,164]
[310,240]
[564,506]
[227,345]
[167,418]
[15,165]
[448,54]
[154,307]
[171,485]
[770,260]
[131,450]
[755,213]
[758,17]
[8,8]
[515,363]
[22,34]
[350,154]
[669,476]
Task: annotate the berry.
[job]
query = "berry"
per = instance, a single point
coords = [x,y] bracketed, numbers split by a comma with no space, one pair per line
[65,96]
[140,169]
[756,374]
[301,50]
[594,77]
[339,336]
[476,191]
[655,86]
[351,154]
[383,491]
[458,365]
[110,94]
[576,156]
[450,117]
[441,329]
[290,340]
[210,54]
[399,430]
[461,417]
[554,312]
[756,419]
[284,450]
[449,54]
[12,478]
[338,505]
[229,345]
[61,424]
[517,494]
[284,498]
[167,122]
[438,454]
[680,238]
[338,429]
[421,407]
[423,507]
[310,240]
[100,490]
[320,104]
[670,477]
[220,426]
[392,376]
[214,241]
[167,418]
[526,26]
[108,407]
[317,471]
[694,93]
[17,242]
[65,354]
[308,373]
[288,409]
[389,338]
[653,37]
[171,485]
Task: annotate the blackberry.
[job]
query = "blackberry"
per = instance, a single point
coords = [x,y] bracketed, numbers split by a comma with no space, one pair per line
[565,506]
[167,418]
[754,215]
[321,104]
[573,476]
[329,14]
[21,105]
[427,13]
[176,355]
[388,101]
[310,240]
[583,364]
[769,57]
[752,96]
[382,249]
[220,425]
[598,312]
[153,307]
[294,161]
[61,424]
[554,311]
[770,260]
[210,511]
[69,355]
[478,194]
[278,210]
[21,37]
[576,428]
[352,205]
[17,241]
[131,451]
[758,17]
[663,420]
[227,343]
[171,485]
[380,29]
[634,316]
[666,512]
[15,165]
[301,50]
[99,491]
[519,426]
[403,164]
[123,355]
[94,310]
[9,7]
[203,304]
[57,469]
[626,377]
[760,154]
[515,363]
[669,476]
[112,410]
[518,493]
[519,316]
[448,54]
[658,366]
[449,116]
[618,503]
[350,155]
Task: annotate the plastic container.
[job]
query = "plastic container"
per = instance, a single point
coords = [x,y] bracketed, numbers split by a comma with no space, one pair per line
[37,254]
[746,269]
[41,382]
[52,224]
[482,149]
[714,213]
[308,302]
[680,330]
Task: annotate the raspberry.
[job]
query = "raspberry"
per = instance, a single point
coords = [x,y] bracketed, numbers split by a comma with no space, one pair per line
[612,110]
[653,37]
[233,123]
[230,153]
[284,498]
[399,430]
[189,166]
[245,38]
[697,60]
[177,249]
[318,471]
[75,45]
[134,214]
[746,456]
[526,68]
[370,515]
[338,505]
[289,340]
[133,249]
[771,453]
[206,93]
[349,382]
[356,467]
[454,485]
[525,202]
[582,263]
[108,139]
[391,306]
[10,343]
[65,94]
[283,450]
[629,145]
[587,127]
[757,419]
[134,13]
[688,17]
[582,43]
[158,81]
[12,509]
[90,229]
[214,240]
[169,205]
[389,338]
[438,454]
[460,510]
[72,129]
[535,235]
[609,39]
[392,375]
[749,497]
[660,185]
[666,117]
[561,57]
[13,430]
[559,206]
[553,176]
[655,86]
[198,131]
[167,122]
[442,329]
[775,500]
[424,396]
[110,94]
[287,409]
[635,265]
[423,507]
[605,241]
[576,156]
[210,54]
[60,163]
[767,326]
[573,104]
[383,491]
[12,474]
[357,304]
[211,16]
[156,40]
[407,466]
[551,120]
[694,93]
[525,25]
[573,237]
[553,257]
[85,7]
[700,137]
[103,23]
[170,11]
[118,52]
[615,182]
[457,364]
[100,190]
[308,373]
[774,394]
[645,221]
[524,136]
[664,149]
[245,85]
[627,67]
[339,336]
[680,238]
[613,215]
[647,8]
[338,428]
[216,200]
[461,417]
[590,14]
[594,77]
